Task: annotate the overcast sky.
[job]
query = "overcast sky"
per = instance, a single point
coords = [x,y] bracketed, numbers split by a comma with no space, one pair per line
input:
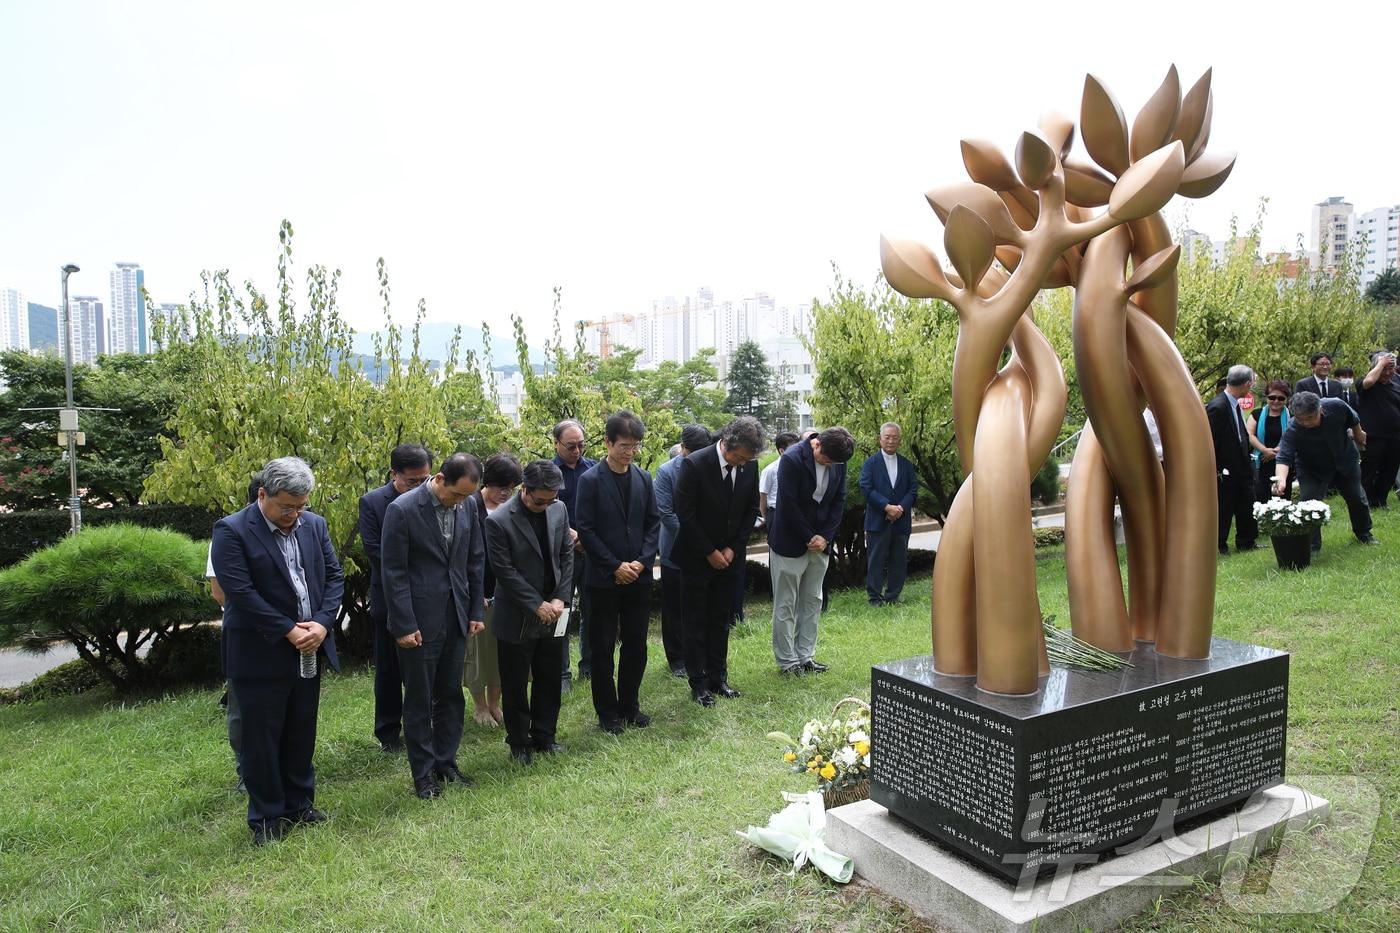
[621,151]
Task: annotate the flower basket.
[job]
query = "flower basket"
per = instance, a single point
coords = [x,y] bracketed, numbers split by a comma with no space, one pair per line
[835,751]
[1294,552]
[1289,526]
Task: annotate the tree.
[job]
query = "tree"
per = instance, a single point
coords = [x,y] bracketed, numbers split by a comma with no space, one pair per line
[782,401]
[1384,288]
[121,445]
[880,357]
[114,593]
[271,380]
[750,382]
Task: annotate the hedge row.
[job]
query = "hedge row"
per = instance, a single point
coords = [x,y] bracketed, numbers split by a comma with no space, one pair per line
[22,533]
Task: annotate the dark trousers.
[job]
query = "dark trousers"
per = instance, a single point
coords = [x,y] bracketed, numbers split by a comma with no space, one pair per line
[279,736]
[708,596]
[1314,485]
[1379,464]
[433,703]
[1264,482]
[582,610]
[388,682]
[532,713]
[672,616]
[741,585]
[233,719]
[887,554]
[1235,500]
[620,617]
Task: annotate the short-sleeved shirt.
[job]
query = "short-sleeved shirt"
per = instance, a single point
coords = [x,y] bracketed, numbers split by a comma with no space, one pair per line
[1325,448]
[768,484]
[1380,408]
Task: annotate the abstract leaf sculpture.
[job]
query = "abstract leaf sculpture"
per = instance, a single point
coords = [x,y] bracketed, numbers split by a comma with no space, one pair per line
[1013,230]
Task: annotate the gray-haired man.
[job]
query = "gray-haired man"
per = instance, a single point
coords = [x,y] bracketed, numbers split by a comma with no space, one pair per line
[1317,445]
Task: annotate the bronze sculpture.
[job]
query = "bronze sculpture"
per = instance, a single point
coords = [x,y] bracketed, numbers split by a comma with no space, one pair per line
[1008,233]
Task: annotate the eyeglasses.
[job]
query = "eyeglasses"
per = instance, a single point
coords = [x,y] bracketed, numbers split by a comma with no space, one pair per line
[576,445]
[627,448]
[541,503]
[288,510]
[1278,398]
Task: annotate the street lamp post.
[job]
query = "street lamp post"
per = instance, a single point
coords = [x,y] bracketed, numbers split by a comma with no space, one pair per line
[68,417]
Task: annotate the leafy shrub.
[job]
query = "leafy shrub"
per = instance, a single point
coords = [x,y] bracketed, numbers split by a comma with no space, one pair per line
[23,533]
[1045,485]
[1049,537]
[114,593]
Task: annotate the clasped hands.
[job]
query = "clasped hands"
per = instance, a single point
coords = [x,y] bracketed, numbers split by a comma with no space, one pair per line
[894,513]
[549,611]
[628,572]
[721,559]
[307,636]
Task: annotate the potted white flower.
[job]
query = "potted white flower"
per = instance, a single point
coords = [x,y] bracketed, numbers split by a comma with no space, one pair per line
[1289,526]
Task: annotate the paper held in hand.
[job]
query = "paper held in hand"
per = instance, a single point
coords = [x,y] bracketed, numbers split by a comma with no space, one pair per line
[562,625]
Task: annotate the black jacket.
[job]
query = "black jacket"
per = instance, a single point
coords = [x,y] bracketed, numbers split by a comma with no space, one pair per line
[712,518]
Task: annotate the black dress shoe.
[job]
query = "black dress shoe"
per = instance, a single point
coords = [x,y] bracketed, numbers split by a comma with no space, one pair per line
[792,670]
[520,756]
[449,774]
[309,816]
[1251,546]
[263,833]
[426,788]
[240,788]
[551,748]
[1224,552]
[611,726]
[638,718]
[391,748]
[727,691]
[1367,539]
[679,671]
[704,697]
[815,667]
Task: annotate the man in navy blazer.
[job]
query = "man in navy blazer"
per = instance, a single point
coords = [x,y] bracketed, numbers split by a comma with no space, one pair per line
[811,500]
[617,521]
[410,465]
[282,589]
[890,485]
[434,555]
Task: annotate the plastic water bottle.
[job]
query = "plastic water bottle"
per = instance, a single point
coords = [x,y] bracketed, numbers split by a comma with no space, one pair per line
[308,665]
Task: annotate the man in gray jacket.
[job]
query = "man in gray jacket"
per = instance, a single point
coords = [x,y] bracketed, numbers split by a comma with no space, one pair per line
[532,556]
[434,562]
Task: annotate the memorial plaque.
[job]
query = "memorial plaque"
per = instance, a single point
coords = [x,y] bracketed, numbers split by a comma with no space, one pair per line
[1091,762]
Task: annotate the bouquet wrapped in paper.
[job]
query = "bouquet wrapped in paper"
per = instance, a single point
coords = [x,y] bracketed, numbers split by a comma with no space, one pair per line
[797,833]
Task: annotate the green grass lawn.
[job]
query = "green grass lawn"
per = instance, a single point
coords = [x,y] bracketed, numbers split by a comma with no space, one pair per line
[123,815]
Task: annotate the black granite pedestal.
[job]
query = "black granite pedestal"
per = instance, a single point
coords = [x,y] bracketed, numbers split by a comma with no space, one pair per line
[1090,763]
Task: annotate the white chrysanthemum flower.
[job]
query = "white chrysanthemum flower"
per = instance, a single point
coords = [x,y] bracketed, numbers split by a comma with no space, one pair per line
[847,757]
[859,735]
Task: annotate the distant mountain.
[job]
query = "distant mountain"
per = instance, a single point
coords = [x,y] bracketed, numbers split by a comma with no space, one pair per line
[436,337]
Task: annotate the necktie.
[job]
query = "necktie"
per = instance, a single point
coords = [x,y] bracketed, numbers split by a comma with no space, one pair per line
[729,478]
[1239,427]
[1322,387]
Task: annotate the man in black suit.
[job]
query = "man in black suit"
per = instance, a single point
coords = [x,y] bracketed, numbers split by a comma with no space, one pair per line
[617,521]
[531,551]
[282,588]
[1234,468]
[410,465]
[1320,446]
[716,501]
[1321,383]
[434,559]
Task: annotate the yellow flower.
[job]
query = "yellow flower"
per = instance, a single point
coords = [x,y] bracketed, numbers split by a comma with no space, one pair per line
[818,759]
[813,765]
[862,748]
[828,771]
[790,757]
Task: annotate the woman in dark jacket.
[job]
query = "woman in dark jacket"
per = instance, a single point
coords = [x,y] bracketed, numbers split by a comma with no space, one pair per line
[1265,431]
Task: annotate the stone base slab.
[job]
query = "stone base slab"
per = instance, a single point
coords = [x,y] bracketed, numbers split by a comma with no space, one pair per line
[955,894]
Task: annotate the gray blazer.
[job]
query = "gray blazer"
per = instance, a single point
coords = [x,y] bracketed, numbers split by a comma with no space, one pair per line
[515,557]
[423,579]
